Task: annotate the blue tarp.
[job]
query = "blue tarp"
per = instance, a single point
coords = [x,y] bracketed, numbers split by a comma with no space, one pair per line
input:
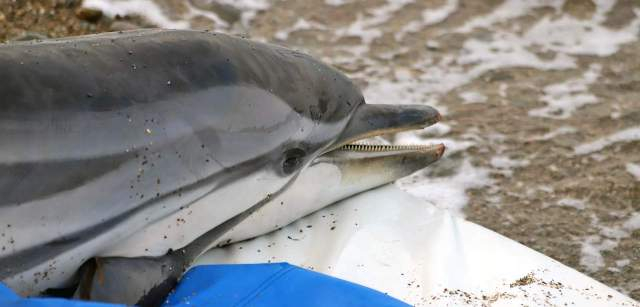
[274,284]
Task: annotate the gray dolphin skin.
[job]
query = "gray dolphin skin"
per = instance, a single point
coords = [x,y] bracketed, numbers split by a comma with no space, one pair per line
[134,152]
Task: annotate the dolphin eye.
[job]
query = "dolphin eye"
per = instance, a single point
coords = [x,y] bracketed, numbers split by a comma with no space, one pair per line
[293,159]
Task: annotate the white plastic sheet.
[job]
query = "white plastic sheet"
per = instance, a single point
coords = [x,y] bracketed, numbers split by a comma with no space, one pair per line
[390,241]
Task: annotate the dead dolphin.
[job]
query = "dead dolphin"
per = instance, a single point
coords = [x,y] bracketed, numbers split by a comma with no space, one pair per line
[333,176]
[106,135]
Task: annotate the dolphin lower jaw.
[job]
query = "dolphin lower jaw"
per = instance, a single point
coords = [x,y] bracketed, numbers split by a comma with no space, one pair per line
[364,167]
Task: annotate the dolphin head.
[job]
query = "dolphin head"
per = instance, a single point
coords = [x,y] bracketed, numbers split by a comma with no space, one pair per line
[332,160]
[332,115]
[344,124]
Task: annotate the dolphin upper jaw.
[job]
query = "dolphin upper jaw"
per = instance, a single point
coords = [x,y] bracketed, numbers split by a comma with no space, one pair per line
[371,120]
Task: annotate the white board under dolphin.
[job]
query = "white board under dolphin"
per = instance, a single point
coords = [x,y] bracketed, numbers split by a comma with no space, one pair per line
[392,242]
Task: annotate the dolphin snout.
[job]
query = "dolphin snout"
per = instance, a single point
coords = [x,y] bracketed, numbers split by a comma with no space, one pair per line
[371,120]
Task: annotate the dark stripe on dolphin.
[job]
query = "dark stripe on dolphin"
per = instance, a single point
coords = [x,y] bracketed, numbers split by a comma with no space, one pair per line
[21,176]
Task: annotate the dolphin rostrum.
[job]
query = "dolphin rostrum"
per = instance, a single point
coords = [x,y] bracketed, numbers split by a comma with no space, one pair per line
[147,147]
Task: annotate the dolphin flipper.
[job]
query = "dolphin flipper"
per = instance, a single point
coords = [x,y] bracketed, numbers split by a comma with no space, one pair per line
[146,281]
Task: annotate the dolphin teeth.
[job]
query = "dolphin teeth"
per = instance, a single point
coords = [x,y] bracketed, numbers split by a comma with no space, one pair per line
[383,148]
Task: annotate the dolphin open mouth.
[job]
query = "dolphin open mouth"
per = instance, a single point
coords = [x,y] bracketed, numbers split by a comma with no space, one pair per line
[371,120]
[375,148]
[360,159]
